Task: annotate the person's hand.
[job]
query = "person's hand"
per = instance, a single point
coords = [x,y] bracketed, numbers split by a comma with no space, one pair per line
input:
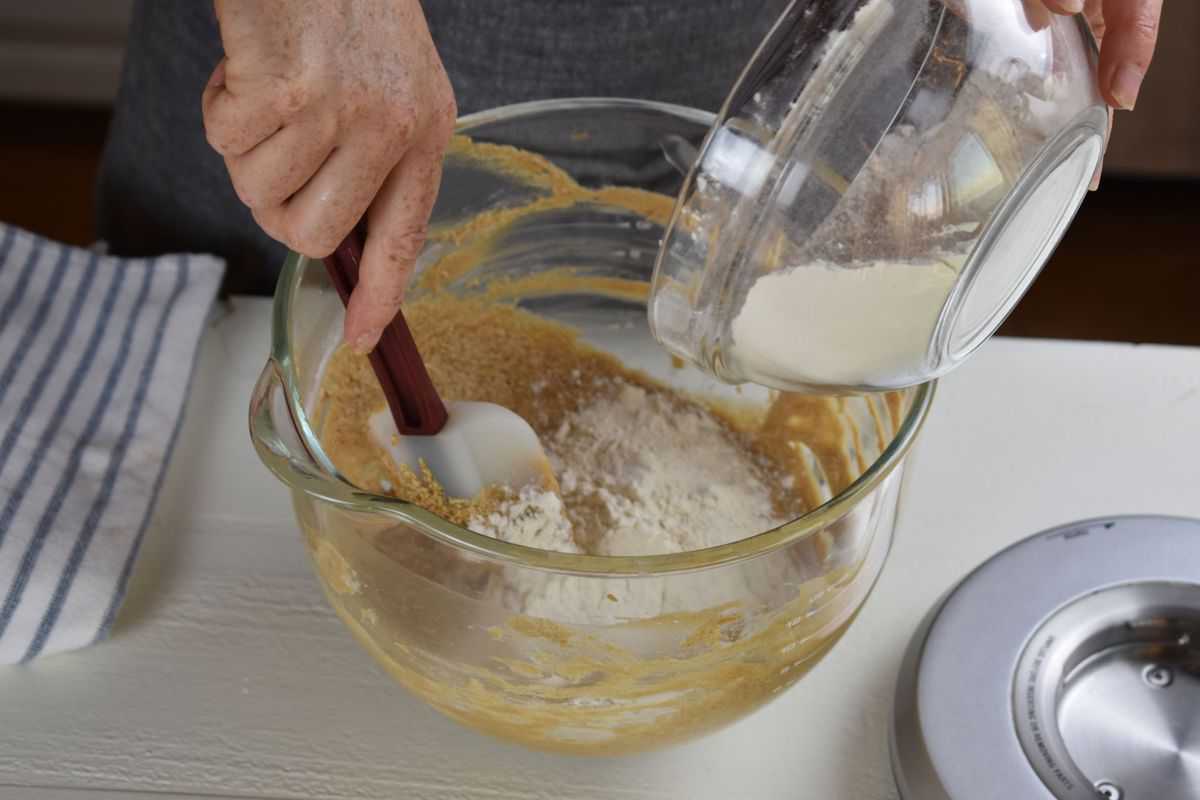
[1128,32]
[326,110]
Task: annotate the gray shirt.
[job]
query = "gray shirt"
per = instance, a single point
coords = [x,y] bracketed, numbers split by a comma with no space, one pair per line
[161,188]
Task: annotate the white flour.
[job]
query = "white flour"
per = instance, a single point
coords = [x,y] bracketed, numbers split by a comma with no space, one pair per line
[643,475]
[535,519]
[857,325]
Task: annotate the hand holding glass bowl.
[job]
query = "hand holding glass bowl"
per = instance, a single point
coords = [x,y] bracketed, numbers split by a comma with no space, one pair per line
[884,183]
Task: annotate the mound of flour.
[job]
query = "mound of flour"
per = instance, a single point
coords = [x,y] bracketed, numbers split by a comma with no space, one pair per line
[642,473]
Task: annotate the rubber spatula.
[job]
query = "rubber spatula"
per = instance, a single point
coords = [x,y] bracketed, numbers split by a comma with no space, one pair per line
[466,445]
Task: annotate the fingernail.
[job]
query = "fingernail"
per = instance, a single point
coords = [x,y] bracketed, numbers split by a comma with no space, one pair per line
[1072,6]
[218,74]
[365,343]
[1126,83]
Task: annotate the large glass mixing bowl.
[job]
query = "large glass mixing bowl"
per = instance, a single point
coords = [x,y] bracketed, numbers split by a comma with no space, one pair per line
[579,653]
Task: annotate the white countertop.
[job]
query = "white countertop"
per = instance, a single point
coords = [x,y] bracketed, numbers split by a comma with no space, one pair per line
[228,677]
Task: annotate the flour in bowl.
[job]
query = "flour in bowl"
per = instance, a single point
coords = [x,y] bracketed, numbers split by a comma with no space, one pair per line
[642,468]
[641,472]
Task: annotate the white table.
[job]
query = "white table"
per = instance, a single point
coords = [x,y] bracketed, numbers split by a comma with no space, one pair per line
[228,677]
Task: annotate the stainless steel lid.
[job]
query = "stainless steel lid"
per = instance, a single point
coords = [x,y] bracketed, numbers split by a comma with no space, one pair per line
[1067,666]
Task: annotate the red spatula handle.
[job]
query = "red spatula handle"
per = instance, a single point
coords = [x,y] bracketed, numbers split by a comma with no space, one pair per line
[414,402]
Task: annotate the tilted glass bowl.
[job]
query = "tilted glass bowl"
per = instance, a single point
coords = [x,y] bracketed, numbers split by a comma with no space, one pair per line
[660,648]
[883,184]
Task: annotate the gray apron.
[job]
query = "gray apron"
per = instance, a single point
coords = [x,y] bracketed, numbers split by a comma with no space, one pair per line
[162,189]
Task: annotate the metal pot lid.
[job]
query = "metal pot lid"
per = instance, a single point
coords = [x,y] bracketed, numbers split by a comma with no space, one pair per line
[1067,666]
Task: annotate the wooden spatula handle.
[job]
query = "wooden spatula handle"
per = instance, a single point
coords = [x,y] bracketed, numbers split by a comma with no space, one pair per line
[415,404]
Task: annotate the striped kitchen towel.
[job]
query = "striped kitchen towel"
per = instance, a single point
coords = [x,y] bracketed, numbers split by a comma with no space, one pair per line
[95,357]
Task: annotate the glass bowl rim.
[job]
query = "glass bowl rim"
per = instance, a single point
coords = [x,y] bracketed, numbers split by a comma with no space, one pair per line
[332,487]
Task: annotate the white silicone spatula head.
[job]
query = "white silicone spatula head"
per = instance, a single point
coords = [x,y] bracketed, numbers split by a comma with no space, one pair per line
[481,445]
[468,446]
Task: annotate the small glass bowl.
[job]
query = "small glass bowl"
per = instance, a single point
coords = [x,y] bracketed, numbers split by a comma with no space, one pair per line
[624,653]
[884,183]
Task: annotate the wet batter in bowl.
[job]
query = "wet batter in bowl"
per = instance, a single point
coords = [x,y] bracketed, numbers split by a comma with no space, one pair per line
[642,469]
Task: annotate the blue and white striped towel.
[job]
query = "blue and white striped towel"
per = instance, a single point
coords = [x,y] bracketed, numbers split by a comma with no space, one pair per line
[95,357]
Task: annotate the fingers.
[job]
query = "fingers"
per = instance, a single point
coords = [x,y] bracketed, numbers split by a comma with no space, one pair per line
[1129,40]
[1128,33]
[235,121]
[316,219]
[1038,14]
[1093,12]
[396,227]
[280,166]
[217,79]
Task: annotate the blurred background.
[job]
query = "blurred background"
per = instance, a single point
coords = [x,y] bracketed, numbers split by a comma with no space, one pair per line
[1128,270]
